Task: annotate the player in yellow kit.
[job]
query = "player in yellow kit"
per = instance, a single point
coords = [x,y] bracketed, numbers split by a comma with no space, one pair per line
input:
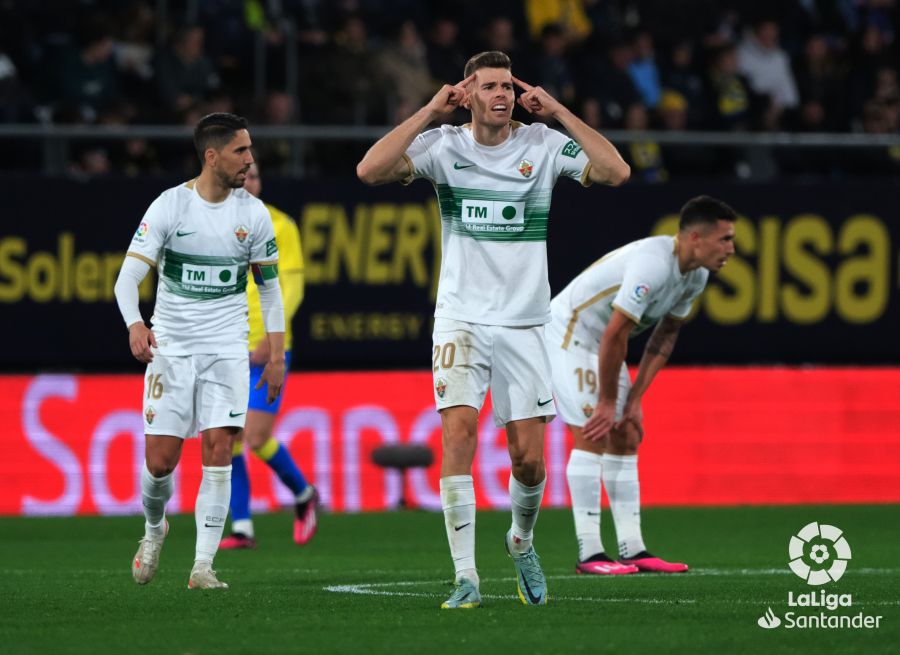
[260,415]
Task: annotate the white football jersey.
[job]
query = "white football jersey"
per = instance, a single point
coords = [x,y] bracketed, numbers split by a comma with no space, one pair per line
[642,280]
[495,204]
[202,252]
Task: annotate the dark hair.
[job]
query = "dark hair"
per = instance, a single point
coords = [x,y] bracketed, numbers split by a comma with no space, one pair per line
[489,59]
[704,210]
[216,131]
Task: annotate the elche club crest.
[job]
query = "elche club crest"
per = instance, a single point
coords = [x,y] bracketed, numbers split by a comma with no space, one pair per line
[150,414]
[588,410]
[440,387]
[241,232]
[526,166]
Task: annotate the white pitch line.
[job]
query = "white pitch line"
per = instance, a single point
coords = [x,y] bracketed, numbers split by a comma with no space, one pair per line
[367,589]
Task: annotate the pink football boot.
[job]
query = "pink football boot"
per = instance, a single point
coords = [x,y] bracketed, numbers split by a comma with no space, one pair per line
[646,562]
[237,541]
[600,564]
[305,521]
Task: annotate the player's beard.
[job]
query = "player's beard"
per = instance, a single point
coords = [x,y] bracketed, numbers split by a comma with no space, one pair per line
[234,181]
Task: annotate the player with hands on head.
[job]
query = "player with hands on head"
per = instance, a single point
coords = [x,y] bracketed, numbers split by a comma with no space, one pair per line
[494,179]
[204,237]
[652,281]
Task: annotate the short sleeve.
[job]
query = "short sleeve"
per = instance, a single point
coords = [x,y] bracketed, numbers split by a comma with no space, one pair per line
[153,232]
[263,248]
[569,158]
[644,279]
[420,157]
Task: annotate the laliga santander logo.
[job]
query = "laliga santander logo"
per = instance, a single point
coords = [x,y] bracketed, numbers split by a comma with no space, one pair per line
[819,554]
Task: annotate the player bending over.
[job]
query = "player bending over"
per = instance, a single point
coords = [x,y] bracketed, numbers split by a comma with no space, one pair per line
[648,282]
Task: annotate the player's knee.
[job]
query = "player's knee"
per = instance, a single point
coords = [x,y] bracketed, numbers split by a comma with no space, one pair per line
[160,468]
[461,439]
[624,442]
[527,468]
[459,433]
[220,454]
[256,439]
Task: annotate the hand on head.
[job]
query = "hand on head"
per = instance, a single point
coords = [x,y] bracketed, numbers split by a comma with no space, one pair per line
[449,97]
[535,100]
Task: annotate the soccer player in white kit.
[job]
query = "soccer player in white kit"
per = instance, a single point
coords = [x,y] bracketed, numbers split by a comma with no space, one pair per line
[203,237]
[653,281]
[494,179]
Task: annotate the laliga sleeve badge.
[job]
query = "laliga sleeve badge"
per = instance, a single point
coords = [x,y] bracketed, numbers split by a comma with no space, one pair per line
[639,293]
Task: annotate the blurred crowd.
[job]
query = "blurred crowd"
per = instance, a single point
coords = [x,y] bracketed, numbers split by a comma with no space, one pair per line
[673,65]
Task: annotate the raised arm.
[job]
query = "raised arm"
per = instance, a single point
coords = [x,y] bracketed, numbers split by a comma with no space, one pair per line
[607,165]
[384,162]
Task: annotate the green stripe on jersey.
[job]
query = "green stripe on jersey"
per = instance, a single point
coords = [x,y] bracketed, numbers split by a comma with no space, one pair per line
[495,215]
[203,277]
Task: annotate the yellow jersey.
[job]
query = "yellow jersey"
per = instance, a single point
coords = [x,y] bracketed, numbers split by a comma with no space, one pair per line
[290,279]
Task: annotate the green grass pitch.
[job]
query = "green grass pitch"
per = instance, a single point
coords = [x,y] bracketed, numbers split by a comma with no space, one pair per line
[373,583]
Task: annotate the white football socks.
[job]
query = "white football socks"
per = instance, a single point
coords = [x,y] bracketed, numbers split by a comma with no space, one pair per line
[243,526]
[620,477]
[155,493]
[458,503]
[211,510]
[525,502]
[583,474]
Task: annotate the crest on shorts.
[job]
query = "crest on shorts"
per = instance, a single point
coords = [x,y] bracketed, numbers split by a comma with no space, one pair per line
[525,167]
[150,414]
[242,233]
[440,387]
[588,409]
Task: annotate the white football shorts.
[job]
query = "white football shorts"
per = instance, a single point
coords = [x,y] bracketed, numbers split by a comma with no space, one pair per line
[469,358]
[576,382]
[186,394]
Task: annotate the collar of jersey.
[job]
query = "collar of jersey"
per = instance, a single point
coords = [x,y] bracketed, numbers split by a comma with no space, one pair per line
[512,124]
[211,205]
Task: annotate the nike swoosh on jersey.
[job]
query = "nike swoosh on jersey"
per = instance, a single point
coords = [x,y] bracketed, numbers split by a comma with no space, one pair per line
[459,168]
[458,528]
[179,233]
[232,414]
[541,404]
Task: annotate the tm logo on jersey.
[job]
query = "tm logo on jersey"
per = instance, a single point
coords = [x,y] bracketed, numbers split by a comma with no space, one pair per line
[493,215]
[193,275]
